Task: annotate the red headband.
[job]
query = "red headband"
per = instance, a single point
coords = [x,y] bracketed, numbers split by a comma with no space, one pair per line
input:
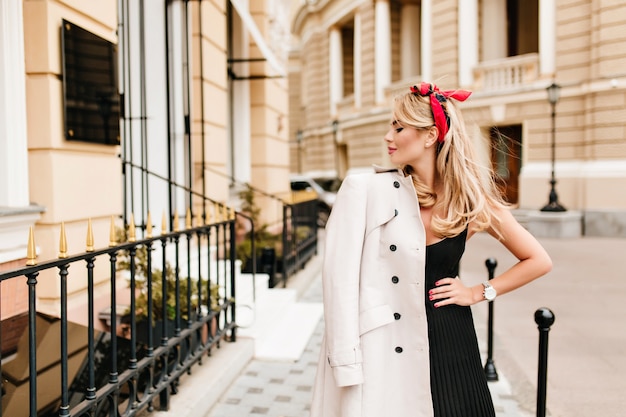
[442,121]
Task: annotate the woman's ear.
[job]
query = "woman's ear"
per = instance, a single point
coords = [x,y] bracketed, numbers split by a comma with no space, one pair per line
[433,134]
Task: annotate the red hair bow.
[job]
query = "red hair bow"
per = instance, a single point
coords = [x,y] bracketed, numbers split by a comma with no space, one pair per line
[442,121]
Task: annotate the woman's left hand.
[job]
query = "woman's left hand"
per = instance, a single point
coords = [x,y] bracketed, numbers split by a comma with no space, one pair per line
[452,291]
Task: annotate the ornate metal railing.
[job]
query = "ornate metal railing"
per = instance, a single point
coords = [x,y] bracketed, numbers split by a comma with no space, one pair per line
[125,370]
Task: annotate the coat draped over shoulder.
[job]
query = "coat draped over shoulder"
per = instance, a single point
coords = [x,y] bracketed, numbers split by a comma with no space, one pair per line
[374,359]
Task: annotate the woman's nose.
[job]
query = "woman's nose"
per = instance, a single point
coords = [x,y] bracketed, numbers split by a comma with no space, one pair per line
[387,137]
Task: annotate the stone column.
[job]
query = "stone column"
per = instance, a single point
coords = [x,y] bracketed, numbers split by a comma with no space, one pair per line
[13,140]
[547,37]
[382,49]
[468,41]
[427,40]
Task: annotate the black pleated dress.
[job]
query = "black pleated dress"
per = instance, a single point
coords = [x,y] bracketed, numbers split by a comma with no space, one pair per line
[457,379]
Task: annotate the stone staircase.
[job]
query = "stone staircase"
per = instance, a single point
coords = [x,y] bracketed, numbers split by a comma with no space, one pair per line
[278,322]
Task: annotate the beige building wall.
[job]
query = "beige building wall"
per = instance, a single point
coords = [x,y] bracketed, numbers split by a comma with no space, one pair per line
[590,116]
[209,103]
[75,181]
[588,54]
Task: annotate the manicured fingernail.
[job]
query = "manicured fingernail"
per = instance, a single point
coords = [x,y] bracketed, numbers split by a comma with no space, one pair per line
[430,297]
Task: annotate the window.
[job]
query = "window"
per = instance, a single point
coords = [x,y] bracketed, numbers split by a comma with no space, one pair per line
[508,28]
[91,99]
[347,48]
[522,26]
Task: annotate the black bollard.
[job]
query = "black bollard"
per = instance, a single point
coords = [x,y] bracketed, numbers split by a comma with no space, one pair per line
[544,319]
[490,367]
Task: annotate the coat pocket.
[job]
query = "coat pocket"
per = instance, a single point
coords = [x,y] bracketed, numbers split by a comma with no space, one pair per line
[375,317]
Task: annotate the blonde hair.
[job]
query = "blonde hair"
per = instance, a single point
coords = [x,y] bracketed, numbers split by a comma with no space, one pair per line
[470,194]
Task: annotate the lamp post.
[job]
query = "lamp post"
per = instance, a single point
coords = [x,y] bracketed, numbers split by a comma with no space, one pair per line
[553,199]
[299,135]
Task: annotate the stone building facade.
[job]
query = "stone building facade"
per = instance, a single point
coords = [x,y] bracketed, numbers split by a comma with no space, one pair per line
[349,58]
[169,102]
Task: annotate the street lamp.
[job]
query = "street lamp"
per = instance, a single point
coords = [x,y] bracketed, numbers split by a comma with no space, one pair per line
[553,199]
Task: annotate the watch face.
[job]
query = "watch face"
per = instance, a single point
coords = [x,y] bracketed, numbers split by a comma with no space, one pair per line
[490,293]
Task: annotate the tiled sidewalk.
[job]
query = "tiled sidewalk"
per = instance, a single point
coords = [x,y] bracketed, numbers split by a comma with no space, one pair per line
[284,389]
[276,388]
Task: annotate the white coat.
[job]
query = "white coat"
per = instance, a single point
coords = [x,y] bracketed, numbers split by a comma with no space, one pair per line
[374,360]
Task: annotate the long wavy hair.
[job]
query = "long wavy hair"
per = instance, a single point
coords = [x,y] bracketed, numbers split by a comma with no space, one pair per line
[470,193]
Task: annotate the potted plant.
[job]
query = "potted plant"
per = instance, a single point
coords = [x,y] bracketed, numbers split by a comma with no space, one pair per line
[158,315]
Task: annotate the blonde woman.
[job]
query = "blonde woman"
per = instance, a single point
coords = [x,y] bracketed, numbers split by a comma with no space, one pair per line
[399,337]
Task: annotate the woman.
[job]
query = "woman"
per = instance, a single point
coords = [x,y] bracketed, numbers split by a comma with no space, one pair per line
[399,337]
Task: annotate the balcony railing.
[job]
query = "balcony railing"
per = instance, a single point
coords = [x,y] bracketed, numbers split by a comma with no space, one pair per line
[507,73]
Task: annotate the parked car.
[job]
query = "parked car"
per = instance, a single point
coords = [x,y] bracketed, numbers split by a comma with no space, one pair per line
[325,188]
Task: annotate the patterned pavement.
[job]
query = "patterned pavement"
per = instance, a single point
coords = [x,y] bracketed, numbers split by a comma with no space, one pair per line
[284,389]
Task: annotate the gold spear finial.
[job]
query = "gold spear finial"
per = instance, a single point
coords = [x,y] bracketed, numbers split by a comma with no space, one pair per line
[149,226]
[131,229]
[176,221]
[62,243]
[90,247]
[31,252]
[163,224]
[112,235]
[188,219]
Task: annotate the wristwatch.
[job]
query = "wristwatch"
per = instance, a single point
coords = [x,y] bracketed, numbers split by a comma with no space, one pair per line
[489,292]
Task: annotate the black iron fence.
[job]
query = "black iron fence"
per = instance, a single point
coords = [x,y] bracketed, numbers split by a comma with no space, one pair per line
[299,235]
[181,289]
[131,356]
[282,254]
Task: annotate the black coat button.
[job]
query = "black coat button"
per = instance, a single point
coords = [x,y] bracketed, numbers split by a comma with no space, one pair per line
[392,248]
[398,349]
[395,279]
[395,212]
[396,184]
[397,316]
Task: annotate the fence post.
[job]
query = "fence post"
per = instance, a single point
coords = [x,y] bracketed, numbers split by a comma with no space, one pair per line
[544,319]
[490,367]
[268,264]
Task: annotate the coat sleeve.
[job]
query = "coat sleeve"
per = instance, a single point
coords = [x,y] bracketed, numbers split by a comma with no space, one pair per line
[345,232]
